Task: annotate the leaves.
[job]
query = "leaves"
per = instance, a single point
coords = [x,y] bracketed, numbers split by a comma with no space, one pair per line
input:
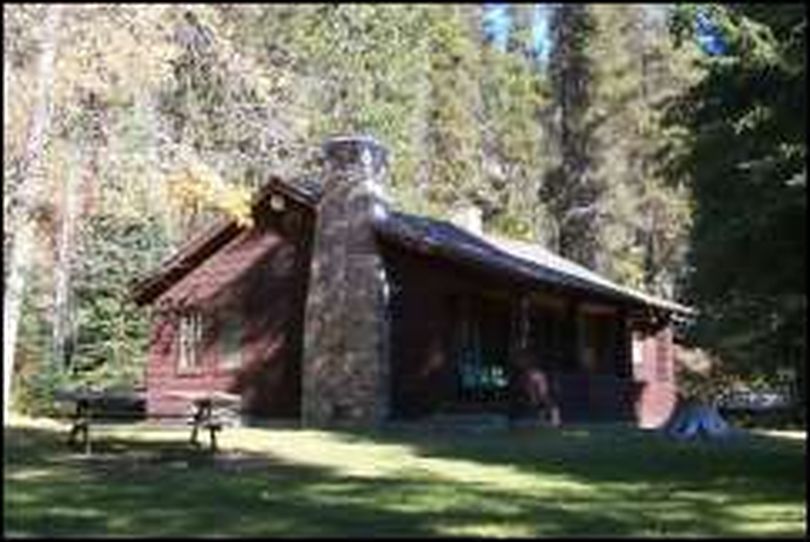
[197,184]
[746,145]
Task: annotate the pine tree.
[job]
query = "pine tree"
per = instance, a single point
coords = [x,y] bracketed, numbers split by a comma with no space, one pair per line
[571,188]
[29,199]
[454,140]
[744,150]
[645,218]
[611,69]
[514,95]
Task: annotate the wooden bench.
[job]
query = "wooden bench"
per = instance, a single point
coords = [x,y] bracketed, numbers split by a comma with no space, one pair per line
[90,409]
[88,412]
[203,416]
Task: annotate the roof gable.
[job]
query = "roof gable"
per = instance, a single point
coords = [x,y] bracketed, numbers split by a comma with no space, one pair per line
[202,246]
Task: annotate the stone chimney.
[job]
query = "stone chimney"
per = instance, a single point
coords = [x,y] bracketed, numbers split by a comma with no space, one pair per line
[345,358]
[467,216]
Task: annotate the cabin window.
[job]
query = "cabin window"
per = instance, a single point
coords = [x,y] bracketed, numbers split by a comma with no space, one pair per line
[230,341]
[190,341]
[481,352]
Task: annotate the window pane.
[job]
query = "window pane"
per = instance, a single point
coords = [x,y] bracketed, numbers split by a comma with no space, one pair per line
[190,338]
[481,349]
[230,341]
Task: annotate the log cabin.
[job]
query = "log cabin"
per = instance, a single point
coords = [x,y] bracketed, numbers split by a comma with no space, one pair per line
[334,308]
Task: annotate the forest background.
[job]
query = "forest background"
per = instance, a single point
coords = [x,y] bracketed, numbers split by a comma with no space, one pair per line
[663,146]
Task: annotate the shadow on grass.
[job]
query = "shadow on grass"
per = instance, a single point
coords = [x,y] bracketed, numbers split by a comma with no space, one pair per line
[708,484]
[168,489]
[164,488]
[594,453]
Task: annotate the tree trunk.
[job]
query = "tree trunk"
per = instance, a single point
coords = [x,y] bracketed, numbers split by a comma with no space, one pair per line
[156,195]
[8,78]
[23,213]
[62,327]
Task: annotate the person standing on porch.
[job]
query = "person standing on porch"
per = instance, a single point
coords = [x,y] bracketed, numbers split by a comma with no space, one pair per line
[534,386]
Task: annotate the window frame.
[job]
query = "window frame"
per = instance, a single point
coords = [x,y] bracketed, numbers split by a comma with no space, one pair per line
[189,323]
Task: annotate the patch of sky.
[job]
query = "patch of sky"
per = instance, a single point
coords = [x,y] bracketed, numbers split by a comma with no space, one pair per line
[497,25]
[708,35]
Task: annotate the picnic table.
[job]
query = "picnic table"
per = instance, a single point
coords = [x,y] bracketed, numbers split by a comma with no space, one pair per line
[89,405]
[204,417]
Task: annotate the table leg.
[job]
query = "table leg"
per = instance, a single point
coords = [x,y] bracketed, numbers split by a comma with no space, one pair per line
[202,414]
[195,425]
[81,423]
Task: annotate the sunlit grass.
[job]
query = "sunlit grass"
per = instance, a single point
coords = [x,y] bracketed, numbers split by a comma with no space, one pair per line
[145,480]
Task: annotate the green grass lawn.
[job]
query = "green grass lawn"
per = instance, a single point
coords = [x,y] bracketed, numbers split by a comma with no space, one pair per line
[144,480]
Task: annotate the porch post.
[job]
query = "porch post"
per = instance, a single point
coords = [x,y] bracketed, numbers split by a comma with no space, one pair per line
[519,331]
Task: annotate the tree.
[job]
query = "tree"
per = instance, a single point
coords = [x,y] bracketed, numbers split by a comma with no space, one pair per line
[28,198]
[611,69]
[111,331]
[52,185]
[514,155]
[645,216]
[743,148]
[572,188]
[454,140]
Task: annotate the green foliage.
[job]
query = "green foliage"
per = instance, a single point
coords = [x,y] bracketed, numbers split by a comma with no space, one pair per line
[454,138]
[37,378]
[514,93]
[611,70]
[108,343]
[362,72]
[572,187]
[224,115]
[744,148]
[111,334]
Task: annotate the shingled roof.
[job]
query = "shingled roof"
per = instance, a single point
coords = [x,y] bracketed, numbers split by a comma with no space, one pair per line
[420,233]
[527,260]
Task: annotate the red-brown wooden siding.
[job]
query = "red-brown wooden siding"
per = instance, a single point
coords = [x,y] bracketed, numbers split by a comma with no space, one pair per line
[265,270]
[261,273]
[423,377]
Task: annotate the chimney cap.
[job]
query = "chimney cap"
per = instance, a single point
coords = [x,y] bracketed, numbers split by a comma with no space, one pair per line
[345,150]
